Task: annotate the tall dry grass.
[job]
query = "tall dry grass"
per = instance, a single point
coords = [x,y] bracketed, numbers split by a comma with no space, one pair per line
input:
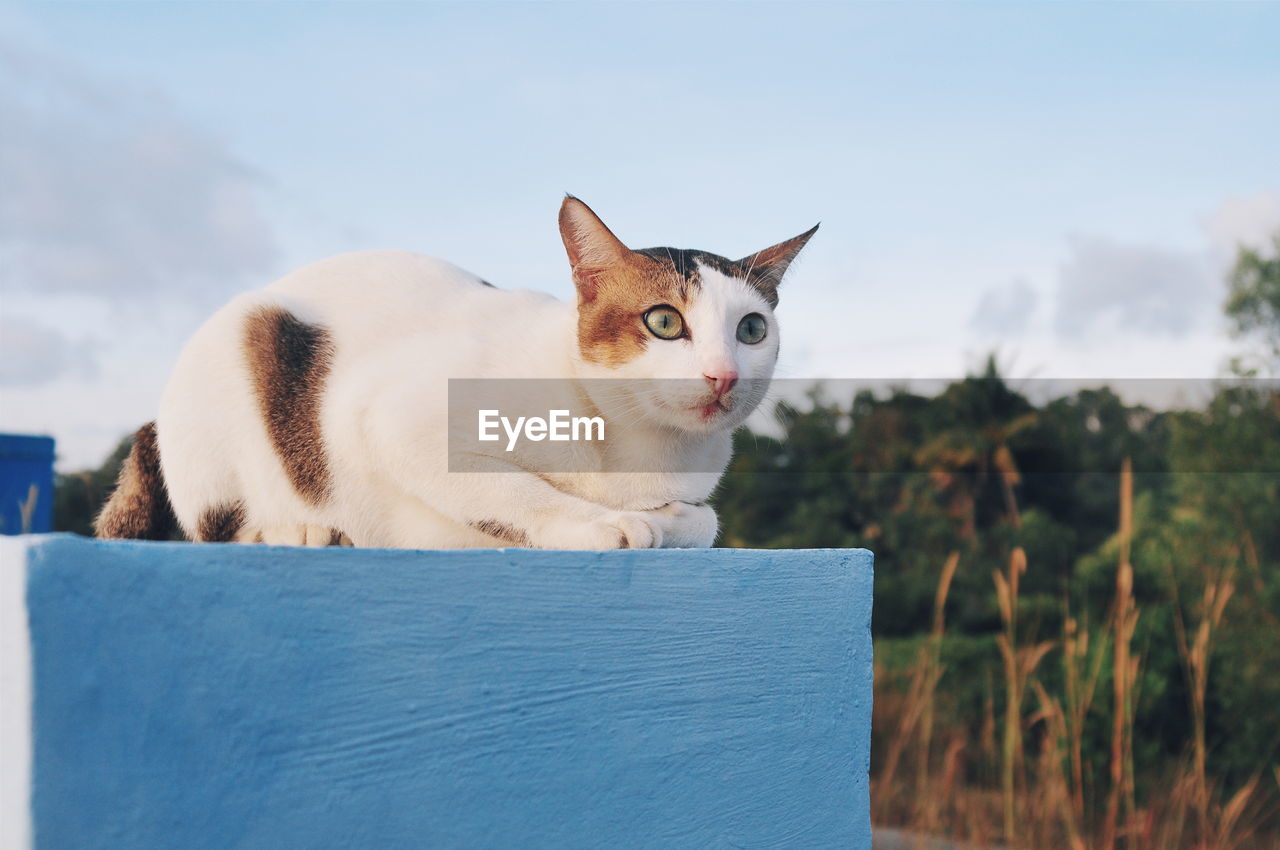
[1124,674]
[915,725]
[27,508]
[983,788]
[1082,670]
[1019,663]
[1217,823]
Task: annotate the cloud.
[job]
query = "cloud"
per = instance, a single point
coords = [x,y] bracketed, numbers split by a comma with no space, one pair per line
[32,354]
[1005,310]
[1250,221]
[108,192]
[1129,287]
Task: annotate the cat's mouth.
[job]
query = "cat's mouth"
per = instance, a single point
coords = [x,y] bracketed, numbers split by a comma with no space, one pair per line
[705,412]
[713,408]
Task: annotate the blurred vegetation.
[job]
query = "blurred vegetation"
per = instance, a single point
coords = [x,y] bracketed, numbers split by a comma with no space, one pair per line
[78,496]
[1067,655]
[983,472]
[1253,305]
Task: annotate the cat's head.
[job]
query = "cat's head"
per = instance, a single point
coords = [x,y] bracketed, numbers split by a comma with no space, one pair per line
[688,339]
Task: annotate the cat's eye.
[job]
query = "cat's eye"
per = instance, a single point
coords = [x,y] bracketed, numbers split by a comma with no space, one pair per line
[664,322]
[752,328]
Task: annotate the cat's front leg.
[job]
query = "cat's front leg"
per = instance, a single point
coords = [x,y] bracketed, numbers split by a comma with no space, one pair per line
[523,509]
[512,506]
[499,501]
[614,530]
[686,525]
[293,535]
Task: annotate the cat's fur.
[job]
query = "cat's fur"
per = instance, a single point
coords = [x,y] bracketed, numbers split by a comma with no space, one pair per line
[314,410]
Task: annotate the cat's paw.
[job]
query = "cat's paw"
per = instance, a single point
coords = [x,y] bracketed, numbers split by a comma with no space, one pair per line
[685,525]
[623,530]
[320,535]
[294,535]
[637,531]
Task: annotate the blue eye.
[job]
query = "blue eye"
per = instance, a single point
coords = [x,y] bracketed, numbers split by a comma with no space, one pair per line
[752,328]
[664,322]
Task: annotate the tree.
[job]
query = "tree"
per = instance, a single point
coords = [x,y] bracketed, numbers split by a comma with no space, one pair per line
[78,496]
[1253,302]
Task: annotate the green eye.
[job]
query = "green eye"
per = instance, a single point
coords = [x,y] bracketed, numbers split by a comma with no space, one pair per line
[664,322]
[752,328]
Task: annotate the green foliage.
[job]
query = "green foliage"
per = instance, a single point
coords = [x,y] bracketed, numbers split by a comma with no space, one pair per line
[78,496]
[981,469]
[1253,300]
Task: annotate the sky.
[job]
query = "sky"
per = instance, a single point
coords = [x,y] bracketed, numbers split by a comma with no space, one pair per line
[1062,184]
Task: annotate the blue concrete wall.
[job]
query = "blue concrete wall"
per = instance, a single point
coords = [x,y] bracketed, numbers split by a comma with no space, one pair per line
[25,461]
[221,696]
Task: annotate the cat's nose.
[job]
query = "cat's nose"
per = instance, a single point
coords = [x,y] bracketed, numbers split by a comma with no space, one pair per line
[721,381]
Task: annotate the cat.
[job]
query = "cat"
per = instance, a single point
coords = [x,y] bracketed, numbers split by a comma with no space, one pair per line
[315,411]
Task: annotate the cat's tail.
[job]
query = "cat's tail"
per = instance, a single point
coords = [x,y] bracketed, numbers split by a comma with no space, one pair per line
[139,507]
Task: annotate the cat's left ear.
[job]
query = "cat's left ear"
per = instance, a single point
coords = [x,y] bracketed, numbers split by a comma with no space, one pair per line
[593,249]
[765,268]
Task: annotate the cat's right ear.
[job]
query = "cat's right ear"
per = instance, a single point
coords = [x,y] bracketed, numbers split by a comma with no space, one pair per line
[593,249]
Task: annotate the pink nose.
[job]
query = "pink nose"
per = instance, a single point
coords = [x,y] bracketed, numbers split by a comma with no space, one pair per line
[722,382]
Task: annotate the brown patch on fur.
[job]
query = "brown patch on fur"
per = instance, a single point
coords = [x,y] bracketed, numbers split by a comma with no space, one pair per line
[289,361]
[337,538]
[502,531]
[611,323]
[616,286]
[139,507]
[220,524]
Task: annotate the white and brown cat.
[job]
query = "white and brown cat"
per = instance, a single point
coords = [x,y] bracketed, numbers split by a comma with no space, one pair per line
[316,409]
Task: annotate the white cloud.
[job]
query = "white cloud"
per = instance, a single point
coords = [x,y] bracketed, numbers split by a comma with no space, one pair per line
[1248,221]
[32,354]
[1119,287]
[120,224]
[1005,311]
[1122,287]
[109,193]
